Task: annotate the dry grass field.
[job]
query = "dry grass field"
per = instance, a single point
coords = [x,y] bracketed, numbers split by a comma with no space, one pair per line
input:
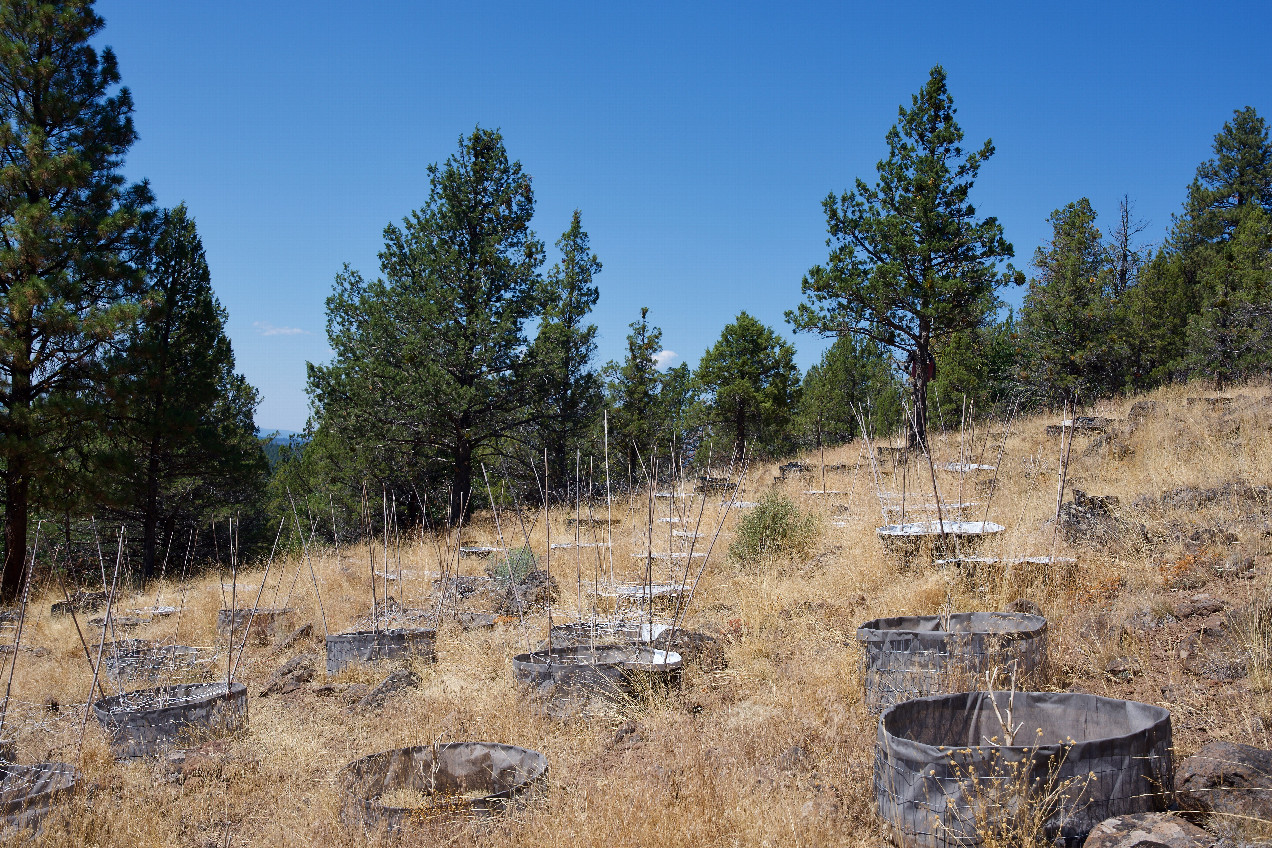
[773,748]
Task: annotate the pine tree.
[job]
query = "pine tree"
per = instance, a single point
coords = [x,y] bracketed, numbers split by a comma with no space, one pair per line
[750,384]
[1227,186]
[568,390]
[632,389]
[1230,336]
[1069,323]
[1184,308]
[430,370]
[183,420]
[910,262]
[70,229]
[854,377]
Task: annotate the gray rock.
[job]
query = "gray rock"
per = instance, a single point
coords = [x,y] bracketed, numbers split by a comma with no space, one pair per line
[1213,654]
[1123,668]
[292,675]
[1148,830]
[400,680]
[80,602]
[1226,778]
[305,631]
[1199,605]
[1023,605]
[476,621]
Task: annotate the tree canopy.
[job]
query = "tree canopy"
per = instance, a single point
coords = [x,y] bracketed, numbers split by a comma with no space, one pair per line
[70,233]
[750,384]
[911,263]
[430,370]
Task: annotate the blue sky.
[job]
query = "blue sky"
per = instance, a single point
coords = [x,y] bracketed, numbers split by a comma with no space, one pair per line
[697,139]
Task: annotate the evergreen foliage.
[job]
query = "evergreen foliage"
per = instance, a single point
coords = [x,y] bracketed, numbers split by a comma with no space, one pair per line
[1071,324]
[71,231]
[911,263]
[568,390]
[181,419]
[853,377]
[430,371]
[645,407]
[749,384]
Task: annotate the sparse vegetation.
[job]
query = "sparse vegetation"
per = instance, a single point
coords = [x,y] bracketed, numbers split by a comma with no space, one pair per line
[776,531]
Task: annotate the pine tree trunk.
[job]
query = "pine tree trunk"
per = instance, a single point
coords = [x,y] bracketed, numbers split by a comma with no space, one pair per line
[919,383]
[16,490]
[739,438]
[150,518]
[461,485]
[17,484]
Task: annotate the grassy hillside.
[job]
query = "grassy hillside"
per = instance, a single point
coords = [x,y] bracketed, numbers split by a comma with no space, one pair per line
[774,747]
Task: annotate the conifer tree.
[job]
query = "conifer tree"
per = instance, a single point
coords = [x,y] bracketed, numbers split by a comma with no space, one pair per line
[69,227]
[1069,322]
[182,419]
[750,384]
[633,388]
[1196,300]
[430,370]
[910,262]
[853,377]
[568,390]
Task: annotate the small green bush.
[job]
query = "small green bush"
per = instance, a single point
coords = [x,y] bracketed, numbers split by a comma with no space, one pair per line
[516,566]
[776,530]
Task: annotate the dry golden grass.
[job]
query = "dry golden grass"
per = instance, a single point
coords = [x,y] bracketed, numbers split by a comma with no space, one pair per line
[776,748]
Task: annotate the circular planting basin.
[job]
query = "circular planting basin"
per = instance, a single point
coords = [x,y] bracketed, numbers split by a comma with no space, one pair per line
[146,660]
[367,646]
[28,793]
[601,669]
[915,656]
[607,633]
[947,535]
[941,780]
[263,625]
[147,721]
[458,779]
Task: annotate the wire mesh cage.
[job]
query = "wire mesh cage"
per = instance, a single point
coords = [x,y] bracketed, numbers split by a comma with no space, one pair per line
[596,669]
[147,721]
[366,646]
[1017,767]
[914,656]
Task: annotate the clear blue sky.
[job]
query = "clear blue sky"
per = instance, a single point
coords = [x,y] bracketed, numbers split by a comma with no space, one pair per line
[698,139]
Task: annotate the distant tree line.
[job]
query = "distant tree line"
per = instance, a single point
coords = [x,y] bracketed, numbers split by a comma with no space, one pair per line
[465,375]
[465,372]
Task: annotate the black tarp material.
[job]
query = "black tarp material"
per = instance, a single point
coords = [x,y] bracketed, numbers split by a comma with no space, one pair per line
[916,656]
[28,793]
[147,721]
[365,646]
[457,779]
[939,779]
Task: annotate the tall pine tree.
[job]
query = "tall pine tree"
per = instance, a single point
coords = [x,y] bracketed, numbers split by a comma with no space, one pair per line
[68,233]
[430,370]
[910,262]
[183,420]
[1069,323]
[568,390]
[633,388]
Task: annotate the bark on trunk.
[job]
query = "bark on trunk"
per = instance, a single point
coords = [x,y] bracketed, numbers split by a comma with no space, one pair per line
[461,487]
[16,490]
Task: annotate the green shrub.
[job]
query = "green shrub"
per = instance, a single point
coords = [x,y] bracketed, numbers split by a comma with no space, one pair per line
[516,566]
[776,530]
